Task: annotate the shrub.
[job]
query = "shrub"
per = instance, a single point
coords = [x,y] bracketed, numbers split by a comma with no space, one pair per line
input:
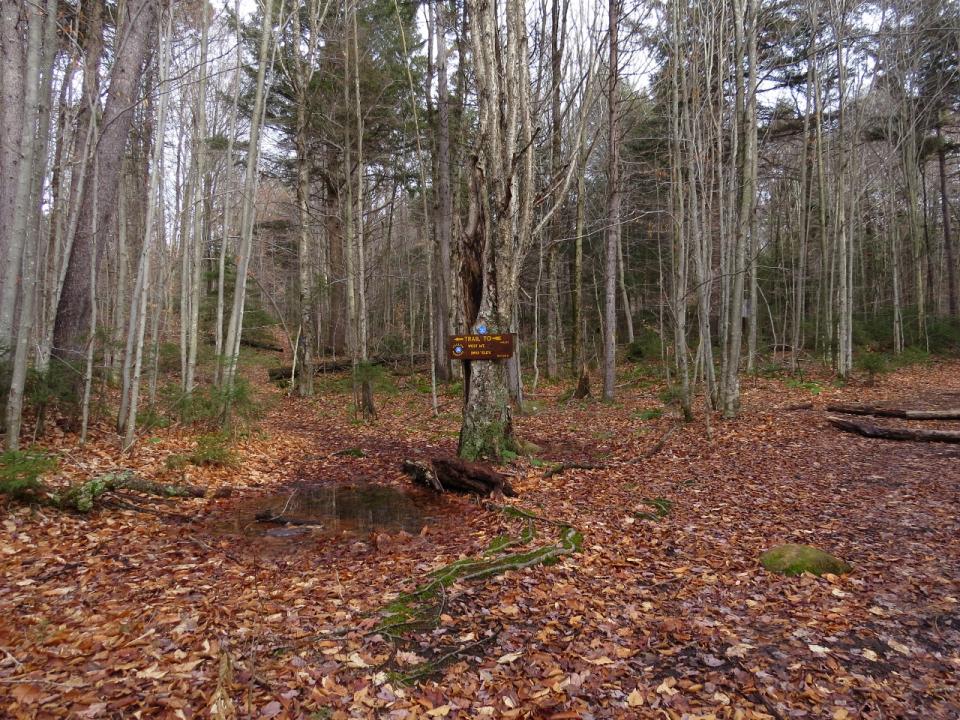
[20,471]
[214,405]
[213,449]
[649,414]
[150,419]
[814,388]
[56,387]
[377,377]
[393,346]
[671,395]
[645,346]
[943,335]
[872,364]
[912,355]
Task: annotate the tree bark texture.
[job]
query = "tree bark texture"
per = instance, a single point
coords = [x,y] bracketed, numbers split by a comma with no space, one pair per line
[73,312]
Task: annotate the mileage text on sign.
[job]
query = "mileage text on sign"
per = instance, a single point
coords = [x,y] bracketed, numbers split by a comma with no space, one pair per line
[480,347]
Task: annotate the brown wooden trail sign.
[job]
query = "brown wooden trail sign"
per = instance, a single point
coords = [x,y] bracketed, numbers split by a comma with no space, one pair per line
[480,347]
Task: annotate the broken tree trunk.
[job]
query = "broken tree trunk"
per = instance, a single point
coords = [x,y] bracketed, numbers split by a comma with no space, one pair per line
[450,474]
[893,433]
[583,385]
[952,414]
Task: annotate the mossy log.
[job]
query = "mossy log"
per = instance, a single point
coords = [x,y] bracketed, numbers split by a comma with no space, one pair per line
[451,474]
[893,433]
[81,497]
[903,414]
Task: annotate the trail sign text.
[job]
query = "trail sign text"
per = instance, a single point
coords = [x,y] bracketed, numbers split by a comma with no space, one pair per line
[480,347]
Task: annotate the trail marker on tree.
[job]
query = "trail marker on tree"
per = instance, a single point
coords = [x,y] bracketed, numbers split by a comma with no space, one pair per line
[480,346]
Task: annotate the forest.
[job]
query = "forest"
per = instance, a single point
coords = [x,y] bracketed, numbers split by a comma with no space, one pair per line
[480,358]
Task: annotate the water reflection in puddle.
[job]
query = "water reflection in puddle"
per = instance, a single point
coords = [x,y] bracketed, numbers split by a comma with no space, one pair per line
[355,509]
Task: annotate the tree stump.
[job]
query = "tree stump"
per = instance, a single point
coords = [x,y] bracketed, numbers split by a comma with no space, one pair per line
[453,475]
[583,385]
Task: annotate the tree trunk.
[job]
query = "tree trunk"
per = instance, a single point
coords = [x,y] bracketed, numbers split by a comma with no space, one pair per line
[746,31]
[304,350]
[613,209]
[200,204]
[133,357]
[15,19]
[73,312]
[500,226]
[947,238]
[558,31]
[248,208]
[576,343]
[444,200]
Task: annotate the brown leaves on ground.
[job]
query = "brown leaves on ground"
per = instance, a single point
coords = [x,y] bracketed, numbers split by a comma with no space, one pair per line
[668,614]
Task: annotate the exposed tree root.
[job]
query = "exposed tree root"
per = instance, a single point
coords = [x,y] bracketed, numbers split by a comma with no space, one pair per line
[420,609]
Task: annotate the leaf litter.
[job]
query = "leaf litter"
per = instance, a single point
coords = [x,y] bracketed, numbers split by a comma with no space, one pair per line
[664,612]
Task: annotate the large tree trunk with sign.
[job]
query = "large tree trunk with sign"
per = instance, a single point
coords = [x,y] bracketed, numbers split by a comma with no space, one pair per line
[499,226]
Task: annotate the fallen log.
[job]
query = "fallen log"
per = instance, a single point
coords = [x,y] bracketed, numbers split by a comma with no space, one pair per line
[893,433]
[903,414]
[278,374]
[261,345]
[452,475]
[82,496]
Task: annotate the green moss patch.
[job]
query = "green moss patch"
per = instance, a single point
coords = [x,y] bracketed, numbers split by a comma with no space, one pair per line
[793,559]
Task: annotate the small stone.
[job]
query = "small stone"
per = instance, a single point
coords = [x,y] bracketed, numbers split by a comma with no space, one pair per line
[793,559]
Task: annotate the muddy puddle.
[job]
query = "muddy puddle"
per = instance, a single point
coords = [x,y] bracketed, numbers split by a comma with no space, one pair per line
[356,509]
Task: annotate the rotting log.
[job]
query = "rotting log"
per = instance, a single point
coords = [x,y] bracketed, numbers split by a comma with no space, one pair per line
[893,433]
[903,414]
[82,496]
[453,475]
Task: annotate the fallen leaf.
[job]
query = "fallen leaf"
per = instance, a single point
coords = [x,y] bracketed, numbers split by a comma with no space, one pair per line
[271,709]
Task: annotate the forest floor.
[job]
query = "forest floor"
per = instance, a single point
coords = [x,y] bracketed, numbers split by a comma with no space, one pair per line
[189,608]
